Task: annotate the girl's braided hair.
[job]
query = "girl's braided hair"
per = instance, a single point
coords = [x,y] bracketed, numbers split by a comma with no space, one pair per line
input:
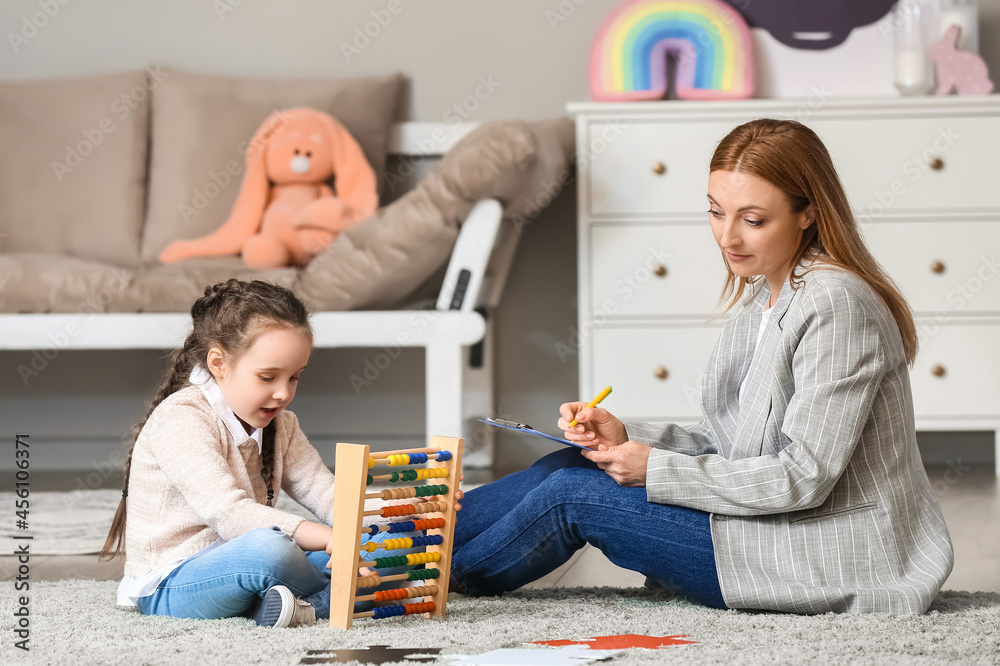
[230,316]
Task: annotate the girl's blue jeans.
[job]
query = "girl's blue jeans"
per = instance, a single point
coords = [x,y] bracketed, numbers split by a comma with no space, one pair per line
[230,580]
[523,526]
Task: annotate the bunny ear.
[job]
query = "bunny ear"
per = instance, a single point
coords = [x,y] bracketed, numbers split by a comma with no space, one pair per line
[244,220]
[249,206]
[355,179]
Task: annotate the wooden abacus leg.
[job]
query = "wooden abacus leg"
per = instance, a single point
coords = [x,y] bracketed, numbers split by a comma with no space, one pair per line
[350,477]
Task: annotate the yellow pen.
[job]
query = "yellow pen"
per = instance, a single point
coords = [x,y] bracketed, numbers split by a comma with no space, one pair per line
[600,396]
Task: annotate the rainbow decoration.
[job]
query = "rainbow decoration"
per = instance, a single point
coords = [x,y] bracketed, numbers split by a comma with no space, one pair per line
[710,39]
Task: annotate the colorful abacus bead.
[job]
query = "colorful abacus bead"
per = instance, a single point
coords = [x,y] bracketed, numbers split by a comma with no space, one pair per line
[428,524]
[405,593]
[416,525]
[390,544]
[407,609]
[398,493]
[403,560]
[430,491]
[373,580]
[422,574]
[405,543]
[432,473]
[408,526]
[389,561]
[423,558]
[409,509]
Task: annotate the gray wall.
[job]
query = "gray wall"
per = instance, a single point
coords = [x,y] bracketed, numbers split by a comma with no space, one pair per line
[537,53]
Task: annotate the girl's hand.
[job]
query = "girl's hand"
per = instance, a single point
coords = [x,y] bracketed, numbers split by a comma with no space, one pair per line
[364,572]
[595,426]
[626,464]
[459,495]
[329,551]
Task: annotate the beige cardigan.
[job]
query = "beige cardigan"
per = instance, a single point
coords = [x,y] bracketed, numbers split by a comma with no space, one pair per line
[191,483]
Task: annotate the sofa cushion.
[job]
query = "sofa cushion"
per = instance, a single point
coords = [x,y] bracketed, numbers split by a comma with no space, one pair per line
[175,287]
[35,282]
[381,262]
[202,126]
[72,180]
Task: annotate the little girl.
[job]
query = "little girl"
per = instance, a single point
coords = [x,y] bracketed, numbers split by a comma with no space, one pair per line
[203,539]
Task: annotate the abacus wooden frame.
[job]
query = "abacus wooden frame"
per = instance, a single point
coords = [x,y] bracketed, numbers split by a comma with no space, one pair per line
[351,473]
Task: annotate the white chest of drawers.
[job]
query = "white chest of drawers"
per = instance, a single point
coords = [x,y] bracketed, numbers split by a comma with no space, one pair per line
[923,176]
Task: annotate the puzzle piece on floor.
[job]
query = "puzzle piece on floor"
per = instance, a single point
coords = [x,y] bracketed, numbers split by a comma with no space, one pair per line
[623,641]
[373,654]
[570,655]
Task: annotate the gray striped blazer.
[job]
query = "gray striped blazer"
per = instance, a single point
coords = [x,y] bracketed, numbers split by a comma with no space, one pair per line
[819,497]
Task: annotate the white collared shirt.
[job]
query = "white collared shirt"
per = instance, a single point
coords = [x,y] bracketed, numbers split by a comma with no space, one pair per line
[760,334]
[131,588]
[206,382]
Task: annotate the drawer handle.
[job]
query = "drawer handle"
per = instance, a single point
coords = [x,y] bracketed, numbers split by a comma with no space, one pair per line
[937,164]
[661,372]
[660,270]
[938,370]
[659,168]
[937,267]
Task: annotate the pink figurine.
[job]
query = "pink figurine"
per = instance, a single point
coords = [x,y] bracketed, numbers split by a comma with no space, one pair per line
[958,69]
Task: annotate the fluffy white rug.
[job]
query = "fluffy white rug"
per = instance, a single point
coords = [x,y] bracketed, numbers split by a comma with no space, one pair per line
[74,622]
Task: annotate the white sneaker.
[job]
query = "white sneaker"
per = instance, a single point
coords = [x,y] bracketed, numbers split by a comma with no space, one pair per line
[280,608]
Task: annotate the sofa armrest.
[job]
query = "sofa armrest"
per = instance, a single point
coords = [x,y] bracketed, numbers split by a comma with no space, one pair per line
[466,277]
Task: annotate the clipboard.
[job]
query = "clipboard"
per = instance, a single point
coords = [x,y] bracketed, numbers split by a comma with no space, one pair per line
[521,427]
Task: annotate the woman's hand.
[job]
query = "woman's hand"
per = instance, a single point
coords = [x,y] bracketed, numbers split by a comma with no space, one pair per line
[626,464]
[595,426]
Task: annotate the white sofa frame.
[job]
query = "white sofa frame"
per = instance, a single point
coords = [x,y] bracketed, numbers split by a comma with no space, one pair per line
[456,391]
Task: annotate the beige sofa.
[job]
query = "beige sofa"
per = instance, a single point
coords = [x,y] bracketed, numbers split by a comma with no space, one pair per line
[100,174]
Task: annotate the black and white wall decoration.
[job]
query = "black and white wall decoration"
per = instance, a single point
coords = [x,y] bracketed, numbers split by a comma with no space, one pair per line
[811,24]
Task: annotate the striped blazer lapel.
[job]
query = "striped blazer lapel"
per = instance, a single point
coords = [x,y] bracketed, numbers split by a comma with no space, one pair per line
[756,405]
[733,356]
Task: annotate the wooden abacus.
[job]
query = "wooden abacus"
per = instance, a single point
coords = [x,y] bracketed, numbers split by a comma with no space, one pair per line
[436,509]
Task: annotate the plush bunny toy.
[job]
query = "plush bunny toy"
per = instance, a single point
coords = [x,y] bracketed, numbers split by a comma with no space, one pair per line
[957,69]
[286,212]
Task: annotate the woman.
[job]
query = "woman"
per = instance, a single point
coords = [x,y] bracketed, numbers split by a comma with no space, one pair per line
[803,489]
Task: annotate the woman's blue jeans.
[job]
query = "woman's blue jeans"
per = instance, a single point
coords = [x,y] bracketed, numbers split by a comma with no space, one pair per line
[523,526]
[230,580]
